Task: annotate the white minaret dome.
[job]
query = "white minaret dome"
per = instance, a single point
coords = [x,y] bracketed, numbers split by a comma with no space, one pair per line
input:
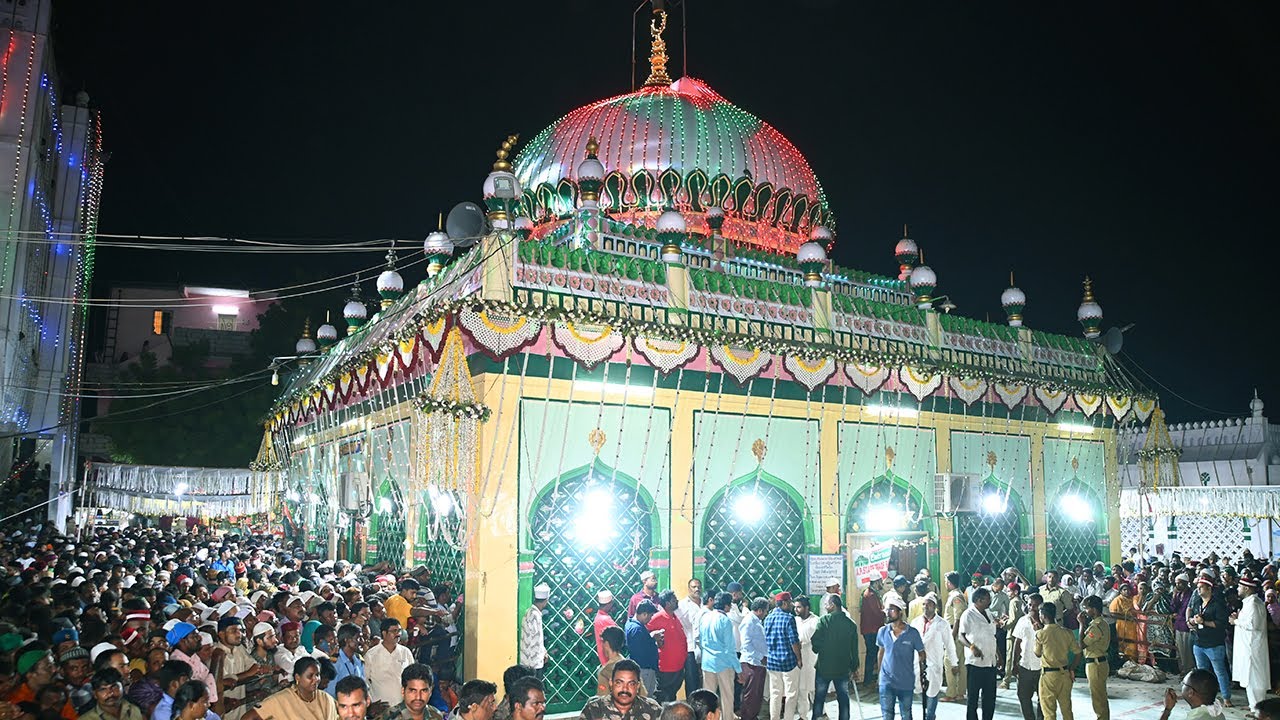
[671,221]
[923,276]
[811,251]
[821,234]
[590,169]
[390,281]
[305,346]
[438,243]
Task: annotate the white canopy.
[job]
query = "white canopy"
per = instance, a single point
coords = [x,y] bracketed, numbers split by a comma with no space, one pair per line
[1234,501]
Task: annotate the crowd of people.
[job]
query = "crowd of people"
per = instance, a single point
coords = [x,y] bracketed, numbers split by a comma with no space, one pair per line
[143,624]
[1213,622]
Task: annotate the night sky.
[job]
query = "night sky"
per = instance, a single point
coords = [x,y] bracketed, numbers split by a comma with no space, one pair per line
[1137,145]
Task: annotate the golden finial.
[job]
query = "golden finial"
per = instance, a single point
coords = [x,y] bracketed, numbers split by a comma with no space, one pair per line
[592,147]
[596,438]
[904,230]
[658,53]
[1088,290]
[889,455]
[1075,464]
[991,459]
[440,216]
[306,328]
[1011,283]
[502,165]
[759,449]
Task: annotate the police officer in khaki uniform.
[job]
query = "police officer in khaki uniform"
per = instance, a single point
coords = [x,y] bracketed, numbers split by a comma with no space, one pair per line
[1054,646]
[1096,640]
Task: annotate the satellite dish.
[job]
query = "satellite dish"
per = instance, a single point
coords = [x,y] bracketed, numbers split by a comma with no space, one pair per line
[465,224]
[1113,339]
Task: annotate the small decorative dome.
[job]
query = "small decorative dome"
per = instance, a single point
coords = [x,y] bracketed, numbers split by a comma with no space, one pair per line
[671,221]
[326,334]
[1090,312]
[907,253]
[438,243]
[390,285]
[1013,300]
[923,282]
[1256,405]
[355,312]
[305,345]
[501,188]
[715,217]
[822,234]
[591,168]
[812,251]
[523,227]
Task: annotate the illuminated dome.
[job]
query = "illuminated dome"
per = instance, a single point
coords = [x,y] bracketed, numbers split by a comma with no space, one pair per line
[682,145]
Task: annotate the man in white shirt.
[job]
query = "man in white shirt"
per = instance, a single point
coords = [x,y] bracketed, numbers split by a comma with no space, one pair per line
[689,612]
[939,651]
[384,662]
[1027,663]
[737,611]
[977,634]
[806,624]
[533,649]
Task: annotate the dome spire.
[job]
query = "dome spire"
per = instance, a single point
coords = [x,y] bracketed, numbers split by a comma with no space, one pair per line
[658,52]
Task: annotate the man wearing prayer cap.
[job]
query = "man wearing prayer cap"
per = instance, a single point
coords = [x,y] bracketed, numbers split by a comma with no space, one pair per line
[76,669]
[533,648]
[1178,605]
[290,648]
[603,619]
[186,643]
[834,586]
[648,591]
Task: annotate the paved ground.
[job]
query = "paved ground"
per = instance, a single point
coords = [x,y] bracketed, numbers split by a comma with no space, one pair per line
[1130,700]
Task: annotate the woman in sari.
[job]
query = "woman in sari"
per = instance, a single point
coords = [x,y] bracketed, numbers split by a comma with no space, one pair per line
[1140,614]
[303,701]
[1123,610]
[1159,632]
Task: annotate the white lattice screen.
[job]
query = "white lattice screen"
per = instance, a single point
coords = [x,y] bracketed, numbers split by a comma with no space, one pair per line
[1133,533]
[1198,535]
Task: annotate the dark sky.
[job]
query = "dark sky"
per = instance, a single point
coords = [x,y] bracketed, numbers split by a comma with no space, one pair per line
[1136,143]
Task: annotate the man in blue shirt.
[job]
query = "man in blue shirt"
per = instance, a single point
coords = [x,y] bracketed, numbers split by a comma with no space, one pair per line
[755,651]
[783,661]
[899,644]
[719,652]
[349,662]
[641,646]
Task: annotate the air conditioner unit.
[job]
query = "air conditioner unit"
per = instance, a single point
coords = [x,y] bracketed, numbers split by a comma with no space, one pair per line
[955,493]
[349,492]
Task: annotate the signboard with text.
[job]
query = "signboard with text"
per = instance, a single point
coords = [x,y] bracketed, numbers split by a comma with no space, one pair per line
[871,563]
[822,568]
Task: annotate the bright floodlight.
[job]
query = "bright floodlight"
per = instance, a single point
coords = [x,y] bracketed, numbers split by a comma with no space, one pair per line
[441,502]
[993,504]
[180,490]
[1076,508]
[384,504]
[880,518]
[293,496]
[598,503]
[749,508]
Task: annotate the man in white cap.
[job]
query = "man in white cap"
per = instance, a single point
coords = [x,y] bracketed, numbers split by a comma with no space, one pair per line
[939,651]
[1181,631]
[1251,666]
[533,649]
[604,619]
[833,588]
[648,591]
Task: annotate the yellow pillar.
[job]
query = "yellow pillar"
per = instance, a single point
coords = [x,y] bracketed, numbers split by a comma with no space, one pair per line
[829,478]
[682,487]
[946,526]
[1111,475]
[492,583]
[1039,528]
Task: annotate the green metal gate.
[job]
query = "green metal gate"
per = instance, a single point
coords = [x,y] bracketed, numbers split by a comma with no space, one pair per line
[387,525]
[590,531]
[754,533]
[1073,527]
[990,540]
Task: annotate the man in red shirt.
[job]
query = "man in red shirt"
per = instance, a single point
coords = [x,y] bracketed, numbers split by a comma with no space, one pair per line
[648,591]
[604,619]
[672,646]
[871,620]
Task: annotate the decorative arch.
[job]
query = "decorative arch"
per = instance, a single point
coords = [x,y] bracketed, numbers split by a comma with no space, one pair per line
[1070,539]
[889,489]
[578,554]
[767,553]
[995,539]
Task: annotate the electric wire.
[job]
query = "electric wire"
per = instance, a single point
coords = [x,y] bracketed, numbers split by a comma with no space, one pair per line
[1170,390]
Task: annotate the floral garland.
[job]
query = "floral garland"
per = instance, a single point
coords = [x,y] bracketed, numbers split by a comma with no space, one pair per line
[1148,455]
[459,410]
[907,354]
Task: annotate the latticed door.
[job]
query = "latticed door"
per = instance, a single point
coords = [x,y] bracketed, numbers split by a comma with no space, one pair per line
[1073,528]
[884,507]
[388,524]
[990,539]
[442,531]
[754,534]
[592,531]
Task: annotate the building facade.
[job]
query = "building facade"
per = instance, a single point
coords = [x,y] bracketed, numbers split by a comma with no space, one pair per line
[1222,497]
[646,362]
[48,222]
